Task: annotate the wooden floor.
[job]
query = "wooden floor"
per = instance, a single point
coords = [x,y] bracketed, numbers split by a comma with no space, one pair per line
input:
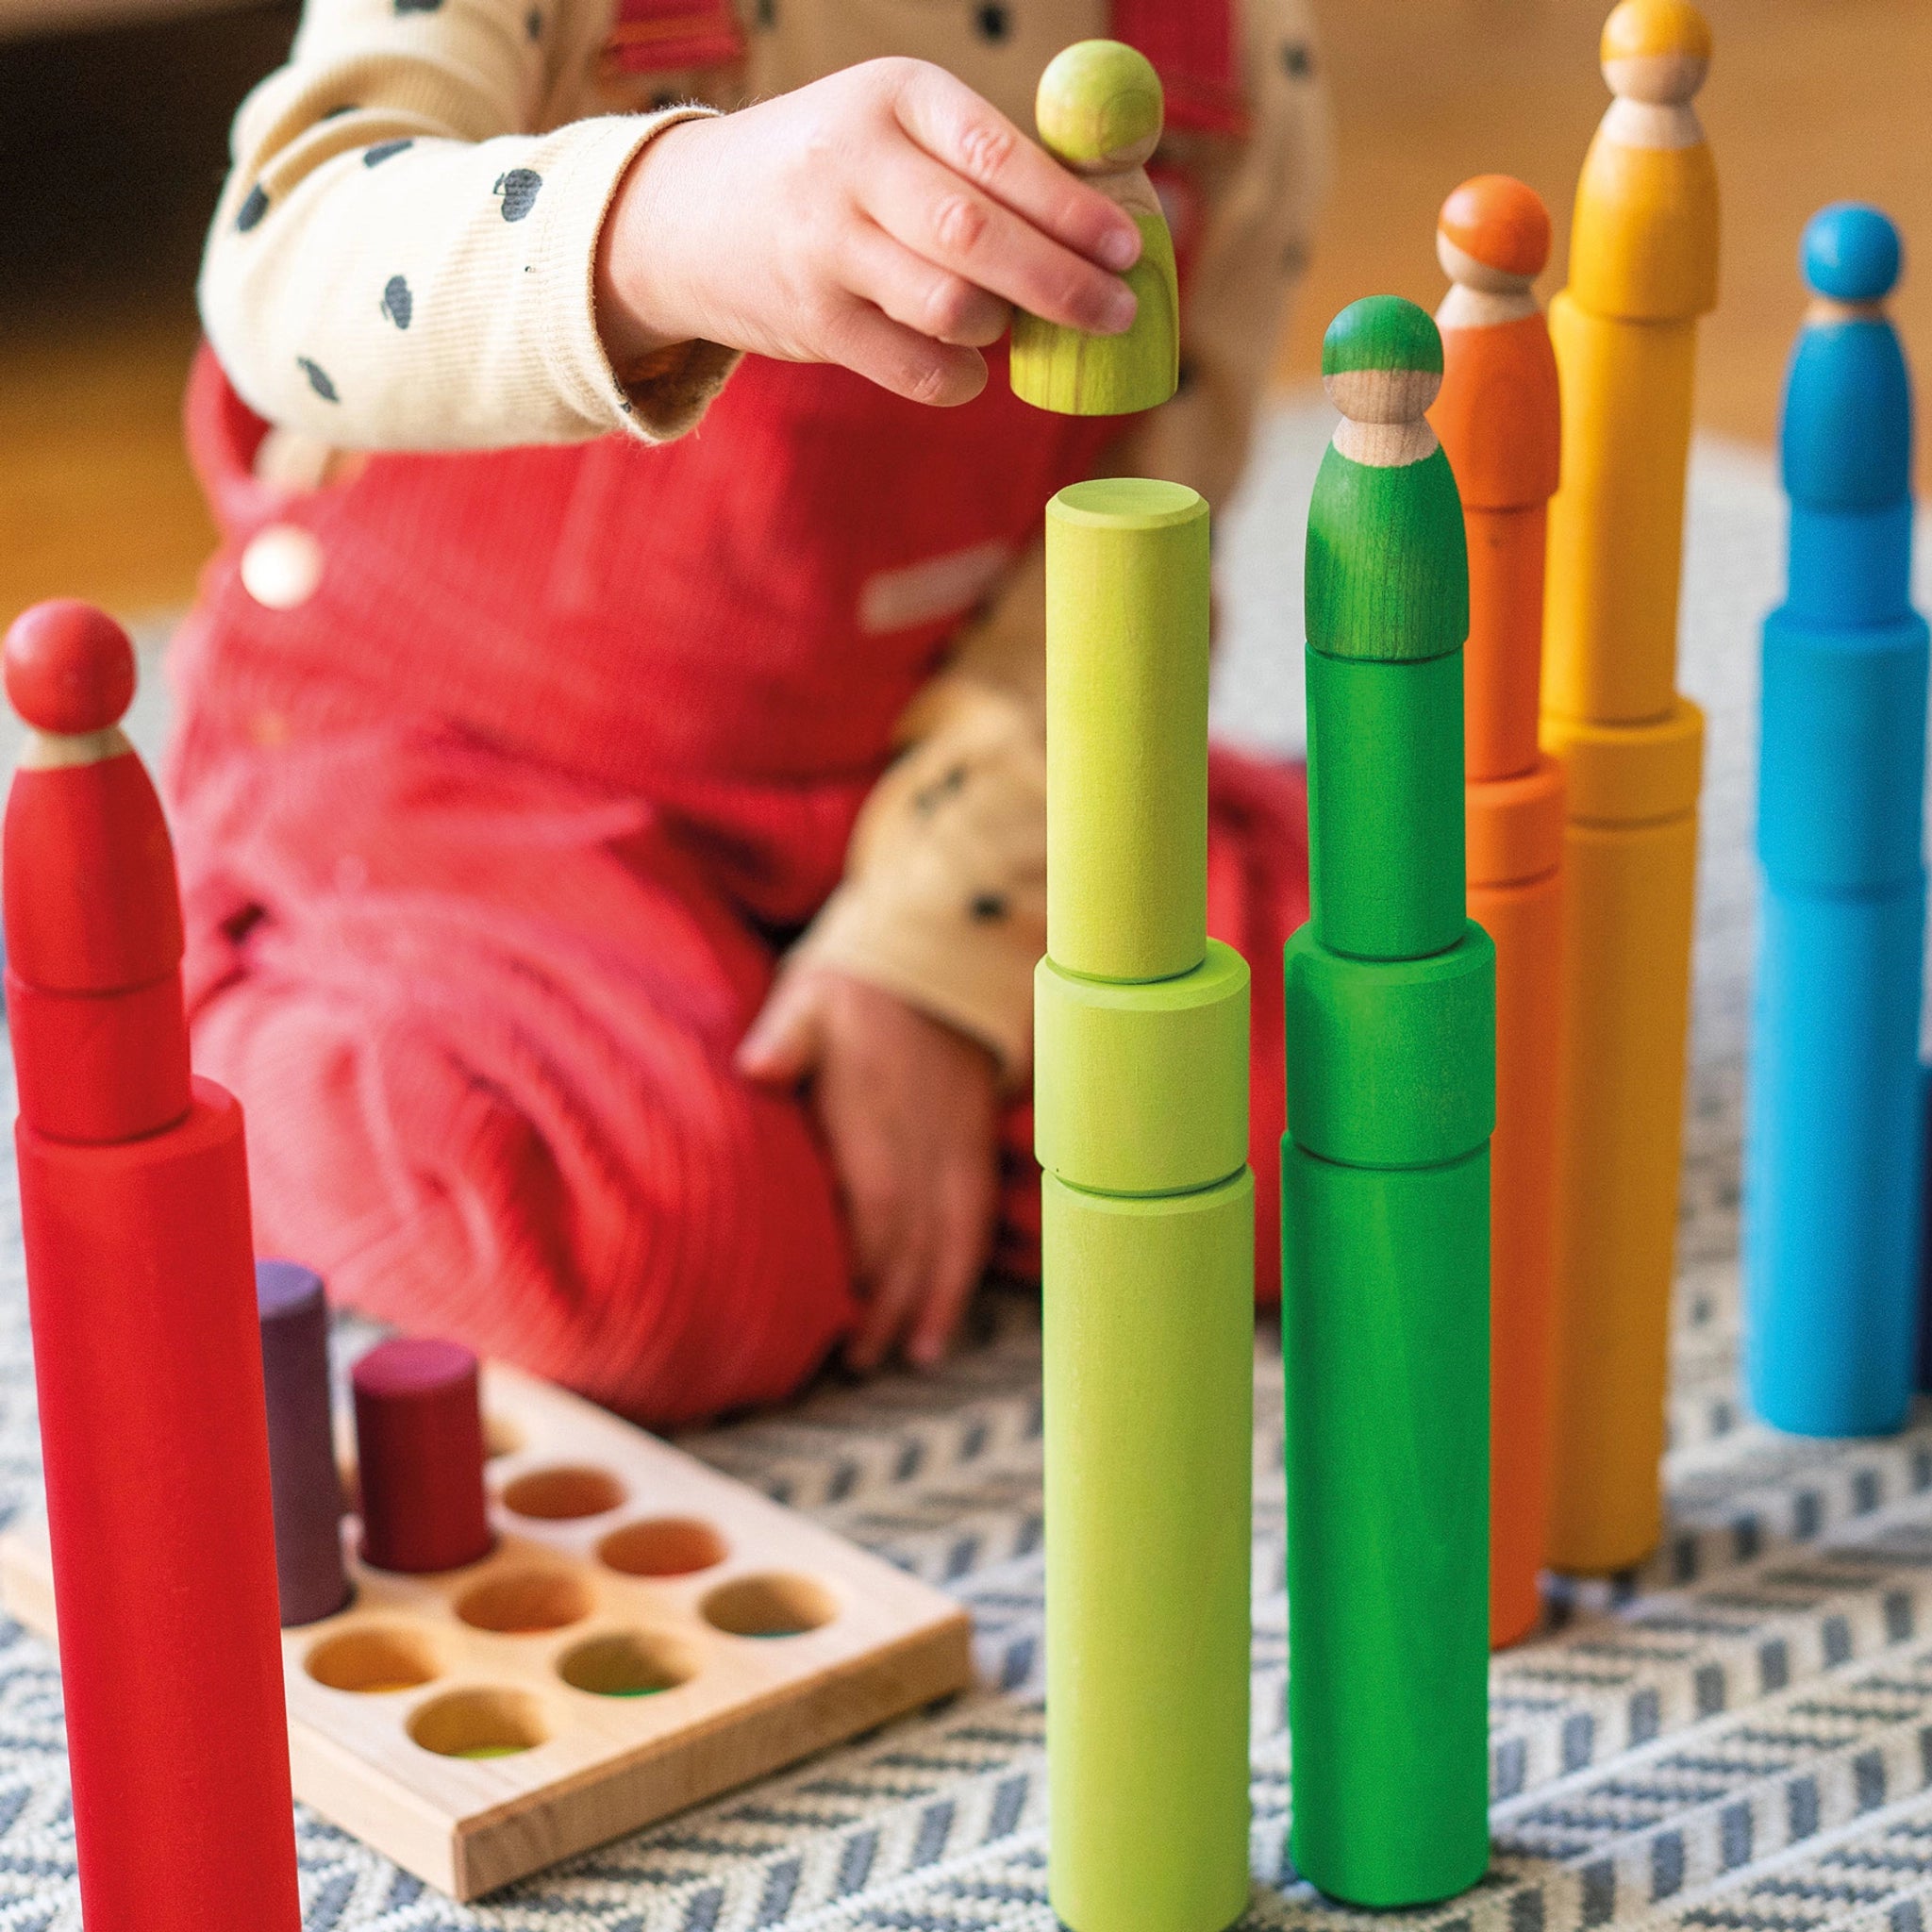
[120,135]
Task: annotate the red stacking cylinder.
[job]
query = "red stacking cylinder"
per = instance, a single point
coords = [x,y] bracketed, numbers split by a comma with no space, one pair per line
[140,1280]
[418,1448]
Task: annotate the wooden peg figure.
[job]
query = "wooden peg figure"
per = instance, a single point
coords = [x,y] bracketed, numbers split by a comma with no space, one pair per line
[1498,418]
[1100,111]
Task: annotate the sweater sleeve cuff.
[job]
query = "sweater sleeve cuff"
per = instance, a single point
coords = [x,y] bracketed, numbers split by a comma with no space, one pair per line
[977,979]
[665,395]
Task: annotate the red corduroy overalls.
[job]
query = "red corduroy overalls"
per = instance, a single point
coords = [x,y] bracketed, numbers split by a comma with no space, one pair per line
[490,844]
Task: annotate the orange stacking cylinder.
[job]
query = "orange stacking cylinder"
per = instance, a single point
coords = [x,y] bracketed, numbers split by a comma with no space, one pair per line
[1498,418]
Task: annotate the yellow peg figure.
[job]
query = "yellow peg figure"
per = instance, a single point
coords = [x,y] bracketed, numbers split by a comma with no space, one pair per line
[1100,111]
[1643,269]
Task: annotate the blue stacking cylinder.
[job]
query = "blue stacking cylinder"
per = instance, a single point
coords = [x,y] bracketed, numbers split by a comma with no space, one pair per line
[1834,1130]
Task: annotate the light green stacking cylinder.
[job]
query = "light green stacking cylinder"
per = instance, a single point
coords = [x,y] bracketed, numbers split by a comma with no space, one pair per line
[1390,1023]
[1148,1232]
[1126,728]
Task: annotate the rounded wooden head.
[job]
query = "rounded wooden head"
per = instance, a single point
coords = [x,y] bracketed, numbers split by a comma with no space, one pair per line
[1656,51]
[1851,253]
[1382,361]
[1493,234]
[69,667]
[1100,107]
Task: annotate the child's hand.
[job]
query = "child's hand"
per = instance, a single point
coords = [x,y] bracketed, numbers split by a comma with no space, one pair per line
[885,217]
[909,1107]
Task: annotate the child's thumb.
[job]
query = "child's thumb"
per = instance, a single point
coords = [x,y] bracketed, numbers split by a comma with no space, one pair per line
[782,1046]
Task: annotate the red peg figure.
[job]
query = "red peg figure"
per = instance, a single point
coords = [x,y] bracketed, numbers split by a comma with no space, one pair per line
[1498,416]
[140,1282]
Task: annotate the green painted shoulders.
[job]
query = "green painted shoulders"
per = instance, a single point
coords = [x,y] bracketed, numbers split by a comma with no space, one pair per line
[1382,332]
[1387,563]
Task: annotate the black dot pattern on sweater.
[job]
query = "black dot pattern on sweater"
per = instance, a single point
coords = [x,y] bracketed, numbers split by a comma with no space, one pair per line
[417,6]
[994,23]
[384,151]
[519,190]
[397,303]
[252,207]
[318,379]
[1298,60]
[929,798]
[988,907]
[533,24]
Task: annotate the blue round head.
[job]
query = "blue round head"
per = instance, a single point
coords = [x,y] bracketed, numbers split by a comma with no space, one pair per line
[1851,253]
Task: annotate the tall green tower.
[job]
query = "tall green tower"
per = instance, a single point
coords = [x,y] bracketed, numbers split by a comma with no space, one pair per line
[1142,1045]
[1390,1021]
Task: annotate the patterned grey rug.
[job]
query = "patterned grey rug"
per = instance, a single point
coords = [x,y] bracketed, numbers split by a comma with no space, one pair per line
[1737,1736]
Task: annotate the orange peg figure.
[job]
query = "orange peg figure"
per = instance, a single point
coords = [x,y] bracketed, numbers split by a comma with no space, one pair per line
[1498,418]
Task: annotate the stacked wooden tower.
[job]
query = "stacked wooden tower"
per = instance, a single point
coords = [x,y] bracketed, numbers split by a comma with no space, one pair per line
[1643,269]
[1833,1139]
[1391,1026]
[1498,417]
[1142,1125]
[140,1280]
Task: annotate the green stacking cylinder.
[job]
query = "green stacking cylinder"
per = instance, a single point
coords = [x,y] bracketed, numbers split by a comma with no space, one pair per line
[1391,1029]
[1148,1231]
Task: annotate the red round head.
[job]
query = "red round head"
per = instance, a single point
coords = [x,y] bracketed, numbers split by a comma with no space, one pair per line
[69,667]
[1497,221]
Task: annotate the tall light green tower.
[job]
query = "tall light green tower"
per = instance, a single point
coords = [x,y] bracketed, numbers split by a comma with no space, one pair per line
[1141,1042]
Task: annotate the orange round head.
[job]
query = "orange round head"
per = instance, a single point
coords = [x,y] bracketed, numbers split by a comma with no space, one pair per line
[69,667]
[1494,233]
[1656,51]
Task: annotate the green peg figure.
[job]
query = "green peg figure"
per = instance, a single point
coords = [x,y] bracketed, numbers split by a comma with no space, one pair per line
[1391,1025]
[1099,110]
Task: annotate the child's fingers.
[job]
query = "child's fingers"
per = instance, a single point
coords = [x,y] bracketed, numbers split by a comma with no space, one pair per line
[965,1234]
[785,1039]
[971,138]
[912,291]
[933,212]
[896,1292]
[868,341]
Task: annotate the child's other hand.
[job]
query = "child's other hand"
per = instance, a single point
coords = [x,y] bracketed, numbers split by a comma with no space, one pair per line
[909,1109]
[885,217]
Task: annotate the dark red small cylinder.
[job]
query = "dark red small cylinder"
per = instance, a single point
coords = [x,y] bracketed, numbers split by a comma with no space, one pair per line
[419,1445]
[293,1311]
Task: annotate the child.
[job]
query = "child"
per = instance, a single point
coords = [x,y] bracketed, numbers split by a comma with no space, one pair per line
[611,822]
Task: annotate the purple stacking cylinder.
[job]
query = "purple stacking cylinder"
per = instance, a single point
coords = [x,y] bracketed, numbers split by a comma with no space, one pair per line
[301,1445]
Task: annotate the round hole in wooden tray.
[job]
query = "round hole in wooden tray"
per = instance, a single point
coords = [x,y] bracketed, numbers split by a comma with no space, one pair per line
[626,1663]
[502,1437]
[663,1546]
[375,1659]
[519,1603]
[484,1722]
[769,1605]
[562,1493]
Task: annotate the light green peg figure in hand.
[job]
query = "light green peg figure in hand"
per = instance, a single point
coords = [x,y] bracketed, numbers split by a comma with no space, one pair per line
[1099,110]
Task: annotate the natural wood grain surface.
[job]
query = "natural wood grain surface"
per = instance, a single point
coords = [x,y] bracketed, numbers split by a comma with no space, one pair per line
[121,135]
[481,1723]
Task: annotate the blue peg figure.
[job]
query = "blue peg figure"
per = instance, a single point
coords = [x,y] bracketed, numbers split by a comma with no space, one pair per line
[1834,1125]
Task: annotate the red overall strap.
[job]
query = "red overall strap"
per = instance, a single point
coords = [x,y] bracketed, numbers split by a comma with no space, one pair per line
[655,36]
[1192,44]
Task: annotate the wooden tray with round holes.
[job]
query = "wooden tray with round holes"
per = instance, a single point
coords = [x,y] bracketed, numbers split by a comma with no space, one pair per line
[646,1633]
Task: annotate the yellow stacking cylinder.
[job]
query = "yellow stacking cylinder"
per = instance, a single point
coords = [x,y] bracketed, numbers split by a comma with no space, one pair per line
[1642,268]
[1617,522]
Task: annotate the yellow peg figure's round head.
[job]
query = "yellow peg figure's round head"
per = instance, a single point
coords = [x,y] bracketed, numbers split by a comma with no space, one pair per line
[1099,107]
[1655,51]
